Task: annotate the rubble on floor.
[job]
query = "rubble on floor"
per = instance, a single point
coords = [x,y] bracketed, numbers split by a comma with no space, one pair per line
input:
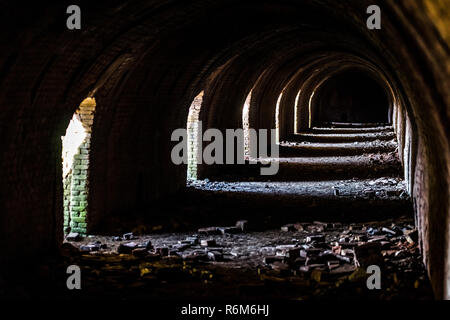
[380,188]
[313,260]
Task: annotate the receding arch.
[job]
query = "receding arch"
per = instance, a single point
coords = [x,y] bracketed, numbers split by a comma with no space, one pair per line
[350,96]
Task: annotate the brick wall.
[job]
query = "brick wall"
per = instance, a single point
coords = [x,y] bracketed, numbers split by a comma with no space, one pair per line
[75,179]
[246,125]
[46,70]
[193,136]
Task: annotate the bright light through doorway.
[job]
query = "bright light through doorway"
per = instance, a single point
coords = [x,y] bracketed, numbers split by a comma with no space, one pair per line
[71,142]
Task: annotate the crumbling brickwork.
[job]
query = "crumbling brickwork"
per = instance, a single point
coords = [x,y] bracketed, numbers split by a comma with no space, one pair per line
[146,61]
[193,138]
[75,181]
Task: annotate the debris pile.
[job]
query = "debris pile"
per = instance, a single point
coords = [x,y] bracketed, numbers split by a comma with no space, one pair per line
[316,255]
[337,249]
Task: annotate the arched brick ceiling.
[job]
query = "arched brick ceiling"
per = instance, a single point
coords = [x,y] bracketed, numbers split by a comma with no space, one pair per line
[144,61]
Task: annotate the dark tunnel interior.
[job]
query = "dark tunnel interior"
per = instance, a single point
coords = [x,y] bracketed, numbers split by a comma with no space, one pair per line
[235,149]
[351,96]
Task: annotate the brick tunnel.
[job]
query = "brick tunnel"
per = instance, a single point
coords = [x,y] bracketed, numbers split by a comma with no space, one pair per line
[362,126]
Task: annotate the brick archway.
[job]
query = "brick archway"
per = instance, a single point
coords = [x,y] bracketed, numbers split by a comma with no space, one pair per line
[76,148]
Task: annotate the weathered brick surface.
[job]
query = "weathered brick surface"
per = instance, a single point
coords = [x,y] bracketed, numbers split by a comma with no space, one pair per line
[76,184]
[193,135]
[146,61]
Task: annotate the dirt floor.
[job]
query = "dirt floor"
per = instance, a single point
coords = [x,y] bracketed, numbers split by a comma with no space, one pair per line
[381,188]
[300,261]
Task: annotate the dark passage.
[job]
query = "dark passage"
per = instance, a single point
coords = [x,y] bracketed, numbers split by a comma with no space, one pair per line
[351,96]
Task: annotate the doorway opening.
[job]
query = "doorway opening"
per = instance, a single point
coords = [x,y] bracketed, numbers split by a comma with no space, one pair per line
[76,145]
[193,136]
[246,125]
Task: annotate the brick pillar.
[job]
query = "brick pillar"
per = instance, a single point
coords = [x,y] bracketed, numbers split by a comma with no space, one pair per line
[76,183]
[193,139]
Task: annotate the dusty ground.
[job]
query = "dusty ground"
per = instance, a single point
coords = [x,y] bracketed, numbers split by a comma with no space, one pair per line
[272,264]
[268,205]
[382,188]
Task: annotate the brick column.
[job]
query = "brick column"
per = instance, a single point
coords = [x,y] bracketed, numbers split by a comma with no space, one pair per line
[76,183]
